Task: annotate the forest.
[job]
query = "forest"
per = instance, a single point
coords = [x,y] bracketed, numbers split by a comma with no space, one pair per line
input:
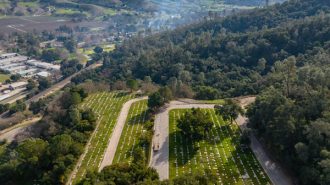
[230,54]
[58,141]
[280,53]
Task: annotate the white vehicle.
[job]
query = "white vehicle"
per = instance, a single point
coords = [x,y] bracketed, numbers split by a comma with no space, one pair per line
[155,144]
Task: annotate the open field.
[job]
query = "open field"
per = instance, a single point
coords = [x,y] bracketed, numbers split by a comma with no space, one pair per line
[218,101]
[131,132]
[3,77]
[107,107]
[220,152]
[40,23]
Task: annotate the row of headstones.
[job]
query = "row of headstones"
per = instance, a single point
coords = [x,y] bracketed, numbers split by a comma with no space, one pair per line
[131,121]
[89,102]
[240,154]
[99,110]
[213,160]
[201,158]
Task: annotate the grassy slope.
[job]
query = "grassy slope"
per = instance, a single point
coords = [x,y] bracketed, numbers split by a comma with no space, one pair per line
[107,106]
[220,152]
[131,132]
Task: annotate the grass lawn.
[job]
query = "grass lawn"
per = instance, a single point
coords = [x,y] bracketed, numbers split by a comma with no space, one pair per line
[28,4]
[109,11]
[220,152]
[107,106]
[219,101]
[109,47]
[4,4]
[3,77]
[66,11]
[131,132]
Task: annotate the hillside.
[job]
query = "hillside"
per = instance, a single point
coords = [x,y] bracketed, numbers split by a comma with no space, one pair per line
[231,54]
[280,53]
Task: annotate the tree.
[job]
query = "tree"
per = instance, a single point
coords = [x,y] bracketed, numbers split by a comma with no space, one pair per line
[195,123]
[31,84]
[50,55]
[132,84]
[15,77]
[155,100]
[20,106]
[98,50]
[229,110]
[159,98]
[44,83]
[38,106]
[206,93]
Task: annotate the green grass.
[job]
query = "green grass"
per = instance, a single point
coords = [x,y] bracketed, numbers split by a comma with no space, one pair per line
[4,4]
[219,101]
[109,47]
[109,11]
[66,11]
[220,152]
[3,77]
[107,106]
[131,132]
[28,4]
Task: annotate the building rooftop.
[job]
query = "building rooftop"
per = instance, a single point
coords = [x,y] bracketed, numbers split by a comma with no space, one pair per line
[43,65]
[43,74]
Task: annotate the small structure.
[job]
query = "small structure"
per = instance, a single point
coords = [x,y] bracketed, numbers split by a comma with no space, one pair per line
[43,65]
[17,85]
[8,55]
[51,43]
[43,74]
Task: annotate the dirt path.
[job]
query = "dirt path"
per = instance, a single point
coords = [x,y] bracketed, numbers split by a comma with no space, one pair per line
[159,159]
[115,137]
[10,133]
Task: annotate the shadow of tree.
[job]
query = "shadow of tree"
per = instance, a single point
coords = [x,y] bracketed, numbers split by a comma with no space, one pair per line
[121,94]
[186,148]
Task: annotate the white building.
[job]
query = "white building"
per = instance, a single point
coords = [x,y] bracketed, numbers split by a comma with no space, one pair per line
[43,65]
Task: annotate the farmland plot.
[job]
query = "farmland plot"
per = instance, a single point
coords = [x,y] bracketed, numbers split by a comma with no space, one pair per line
[220,152]
[133,129]
[107,107]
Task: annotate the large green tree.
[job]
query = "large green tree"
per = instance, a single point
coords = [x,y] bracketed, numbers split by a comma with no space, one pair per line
[229,111]
[196,123]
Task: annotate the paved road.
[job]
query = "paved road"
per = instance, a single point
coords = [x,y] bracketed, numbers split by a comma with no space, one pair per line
[273,170]
[159,159]
[116,133]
